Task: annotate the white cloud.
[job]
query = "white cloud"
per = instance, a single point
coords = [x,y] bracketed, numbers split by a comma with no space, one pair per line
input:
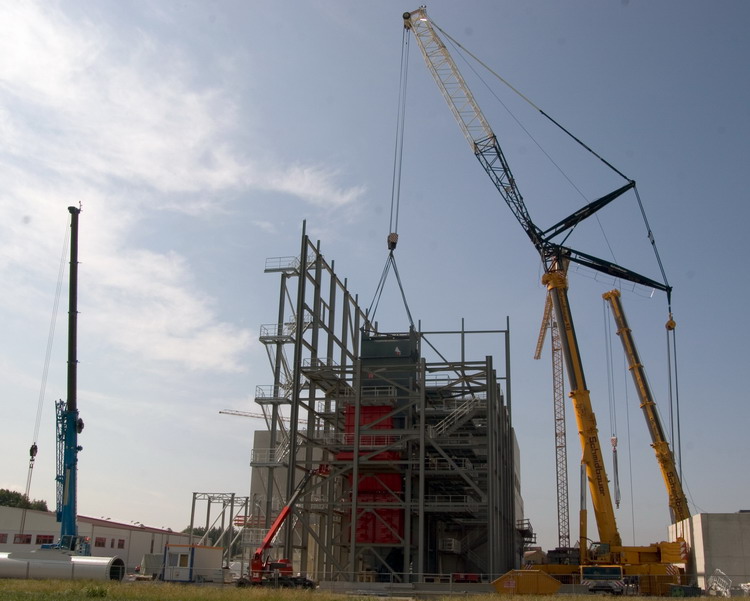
[146,302]
[90,103]
[106,116]
[313,183]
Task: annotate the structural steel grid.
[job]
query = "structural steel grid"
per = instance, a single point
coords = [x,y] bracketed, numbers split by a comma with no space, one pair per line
[414,463]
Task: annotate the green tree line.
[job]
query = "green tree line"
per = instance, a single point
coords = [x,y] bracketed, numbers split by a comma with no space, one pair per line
[11,498]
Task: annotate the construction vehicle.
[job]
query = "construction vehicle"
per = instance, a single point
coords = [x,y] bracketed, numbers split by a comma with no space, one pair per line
[603,579]
[265,571]
[654,563]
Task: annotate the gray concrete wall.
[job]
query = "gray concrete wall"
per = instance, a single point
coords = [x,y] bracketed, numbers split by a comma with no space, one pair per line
[716,541]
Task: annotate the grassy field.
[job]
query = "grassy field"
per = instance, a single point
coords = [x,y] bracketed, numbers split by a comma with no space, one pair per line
[81,590]
[78,590]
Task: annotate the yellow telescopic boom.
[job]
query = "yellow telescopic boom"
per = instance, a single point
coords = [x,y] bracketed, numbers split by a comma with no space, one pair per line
[664,456]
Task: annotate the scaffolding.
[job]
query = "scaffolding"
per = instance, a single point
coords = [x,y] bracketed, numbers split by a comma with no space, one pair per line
[416,460]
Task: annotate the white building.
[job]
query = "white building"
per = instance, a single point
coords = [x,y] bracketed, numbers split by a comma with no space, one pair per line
[716,541]
[129,542]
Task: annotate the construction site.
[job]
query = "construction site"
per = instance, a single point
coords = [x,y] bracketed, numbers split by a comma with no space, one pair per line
[390,459]
[403,444]
[388,463]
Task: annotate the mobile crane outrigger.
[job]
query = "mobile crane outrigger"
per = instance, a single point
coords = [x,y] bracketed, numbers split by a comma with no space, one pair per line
[652,560]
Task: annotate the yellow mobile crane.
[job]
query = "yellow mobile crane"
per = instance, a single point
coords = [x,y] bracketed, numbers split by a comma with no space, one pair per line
[653,562]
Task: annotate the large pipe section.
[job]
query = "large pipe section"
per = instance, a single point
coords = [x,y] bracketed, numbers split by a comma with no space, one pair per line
[59,565]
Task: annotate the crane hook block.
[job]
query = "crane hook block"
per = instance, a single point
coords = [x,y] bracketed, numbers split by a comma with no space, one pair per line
[392,240]
[671,324]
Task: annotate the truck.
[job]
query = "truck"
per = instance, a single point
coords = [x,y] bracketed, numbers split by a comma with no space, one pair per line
[603,579]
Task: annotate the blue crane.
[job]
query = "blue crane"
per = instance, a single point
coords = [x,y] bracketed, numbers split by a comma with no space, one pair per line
[69,423]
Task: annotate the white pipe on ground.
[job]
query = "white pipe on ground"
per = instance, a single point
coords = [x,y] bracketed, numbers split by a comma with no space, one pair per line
[57,564]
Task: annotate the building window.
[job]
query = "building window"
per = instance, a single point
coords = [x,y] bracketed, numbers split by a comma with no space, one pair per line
[121,543]
[112,544]
[45,539]
[21,539]
[100,541]
[3,537]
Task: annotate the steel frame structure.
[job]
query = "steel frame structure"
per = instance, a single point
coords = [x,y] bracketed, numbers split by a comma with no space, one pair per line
[450,436]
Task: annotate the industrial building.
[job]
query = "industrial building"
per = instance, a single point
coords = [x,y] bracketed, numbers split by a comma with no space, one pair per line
[718,545]
[27,529]
[402,441]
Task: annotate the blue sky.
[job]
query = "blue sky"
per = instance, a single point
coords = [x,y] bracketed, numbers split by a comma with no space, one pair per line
[198,135]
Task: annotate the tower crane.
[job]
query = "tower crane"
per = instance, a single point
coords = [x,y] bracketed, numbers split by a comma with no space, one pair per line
[558,399]
[555,259]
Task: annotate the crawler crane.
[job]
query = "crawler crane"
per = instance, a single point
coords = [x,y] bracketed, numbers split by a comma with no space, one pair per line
[647,561]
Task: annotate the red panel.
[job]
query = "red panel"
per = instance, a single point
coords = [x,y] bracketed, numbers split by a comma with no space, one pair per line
[387,456]
[367,415]
[389,525]
[384,456]
[365,527]
[387,482]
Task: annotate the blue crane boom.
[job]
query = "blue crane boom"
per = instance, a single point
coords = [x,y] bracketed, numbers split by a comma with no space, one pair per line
[69,424]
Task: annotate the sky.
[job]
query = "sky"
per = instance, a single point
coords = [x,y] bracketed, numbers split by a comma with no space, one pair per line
[197,136]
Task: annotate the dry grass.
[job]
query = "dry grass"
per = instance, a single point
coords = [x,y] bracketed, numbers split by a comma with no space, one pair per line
[81,590]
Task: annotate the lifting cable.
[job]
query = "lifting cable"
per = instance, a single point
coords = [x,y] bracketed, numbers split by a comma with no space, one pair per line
[390,261]
[45,371]
[674,396]
[612,400]
[671,345]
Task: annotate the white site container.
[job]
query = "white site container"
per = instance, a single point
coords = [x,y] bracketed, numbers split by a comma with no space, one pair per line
[193,563]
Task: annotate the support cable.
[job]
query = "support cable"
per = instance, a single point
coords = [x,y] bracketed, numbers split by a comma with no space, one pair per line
[45,372]
[390,261]
[652,240]
[612,401]
[674,398]
[398,152]
[534,106]
[574,138]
